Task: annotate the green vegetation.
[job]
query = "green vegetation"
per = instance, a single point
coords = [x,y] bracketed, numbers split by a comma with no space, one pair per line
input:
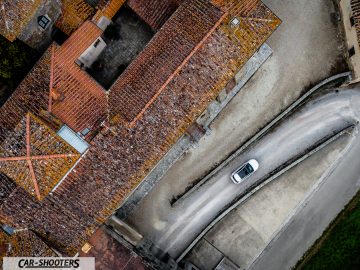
[339,247]
[16,59]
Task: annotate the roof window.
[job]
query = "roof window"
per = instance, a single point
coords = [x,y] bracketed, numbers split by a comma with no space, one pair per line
[43,22]
[235,22]
[72,138]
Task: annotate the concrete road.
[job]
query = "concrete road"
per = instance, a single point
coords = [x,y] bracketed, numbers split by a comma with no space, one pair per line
[316,121]
[308,47]
[245,232]
[312,217]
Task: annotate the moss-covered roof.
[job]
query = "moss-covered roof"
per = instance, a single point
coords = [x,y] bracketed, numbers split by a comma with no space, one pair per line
[35,158]
[23,243]
[14,16]
[177,88]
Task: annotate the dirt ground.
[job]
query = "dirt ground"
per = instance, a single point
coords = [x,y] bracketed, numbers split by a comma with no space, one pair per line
[308,48]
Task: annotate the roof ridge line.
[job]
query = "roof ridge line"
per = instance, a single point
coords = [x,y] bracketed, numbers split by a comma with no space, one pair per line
[177,70]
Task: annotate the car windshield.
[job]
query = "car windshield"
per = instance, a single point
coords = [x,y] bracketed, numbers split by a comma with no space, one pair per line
[245,171]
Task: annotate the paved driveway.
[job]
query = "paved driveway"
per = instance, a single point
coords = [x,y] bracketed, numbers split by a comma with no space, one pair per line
[307,48]
[312,217]
[317,120]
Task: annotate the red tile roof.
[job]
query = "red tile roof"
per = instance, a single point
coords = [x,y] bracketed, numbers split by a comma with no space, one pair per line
[156,65]
[173,97]
[82,101]
[14,16]
[30,96]
[7,187]
[155,13]
[74,14]
[35,157]
[110,254]
[23,243]
[108,8]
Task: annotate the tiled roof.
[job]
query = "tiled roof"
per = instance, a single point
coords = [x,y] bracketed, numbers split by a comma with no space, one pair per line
[111,254]
[30,96]
[189,27]
[169,49]
[76,98]
[74,14]
[24,243]
[173,97]
[35,157]
[14,16]
[355,7]
[155,13]
[7,186]
[64,222]
[108,9]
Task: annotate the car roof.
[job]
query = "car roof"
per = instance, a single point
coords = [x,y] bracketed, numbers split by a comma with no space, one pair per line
[254,164]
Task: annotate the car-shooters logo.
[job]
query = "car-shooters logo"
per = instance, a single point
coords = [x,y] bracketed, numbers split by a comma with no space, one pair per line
[48,263]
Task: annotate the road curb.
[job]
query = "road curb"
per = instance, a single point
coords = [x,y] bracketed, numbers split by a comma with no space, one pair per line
[260,186]
[305,201]
[185,143]
[264,130]
[251,141]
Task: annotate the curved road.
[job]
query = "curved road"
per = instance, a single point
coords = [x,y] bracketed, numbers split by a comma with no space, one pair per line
[317,120]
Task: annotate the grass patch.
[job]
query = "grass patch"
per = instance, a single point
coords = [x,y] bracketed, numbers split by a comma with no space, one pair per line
[339,246]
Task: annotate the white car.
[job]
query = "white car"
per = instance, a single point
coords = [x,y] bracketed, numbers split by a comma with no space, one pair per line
[244,171]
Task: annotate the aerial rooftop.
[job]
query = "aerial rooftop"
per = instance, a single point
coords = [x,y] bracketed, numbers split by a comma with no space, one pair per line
[15,14]
[132,126]
[35,157]
[154,13]
[23,243]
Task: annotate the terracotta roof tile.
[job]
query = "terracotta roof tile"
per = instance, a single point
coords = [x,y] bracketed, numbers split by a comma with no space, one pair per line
[149,73]
[35,157]
[118,160]
[59,220]
[108,9]
[7,186]
[30,96]
[14,16]
[154,13]
[110,253]
[83,103]
[74,14]
[23,243]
